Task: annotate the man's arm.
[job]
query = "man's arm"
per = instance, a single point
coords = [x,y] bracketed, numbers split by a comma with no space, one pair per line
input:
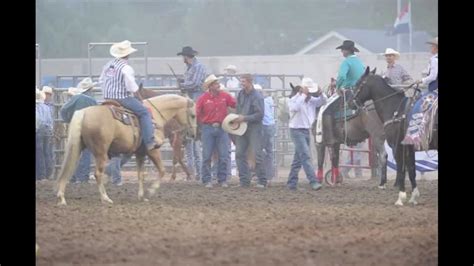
[318,101]
[129,78]
[433,72]
[258,107]
[295,102]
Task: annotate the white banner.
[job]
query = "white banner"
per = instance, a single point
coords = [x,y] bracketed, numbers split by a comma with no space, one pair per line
[426,161]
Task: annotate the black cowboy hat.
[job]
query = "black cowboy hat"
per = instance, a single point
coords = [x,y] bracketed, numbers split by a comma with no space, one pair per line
[348,45]
[187,50]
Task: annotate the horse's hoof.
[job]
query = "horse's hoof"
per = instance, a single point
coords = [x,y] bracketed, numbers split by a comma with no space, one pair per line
[414,195]
[383,187]
[145,200]
[151,191]
[107,201]
[62,203]
[398,203]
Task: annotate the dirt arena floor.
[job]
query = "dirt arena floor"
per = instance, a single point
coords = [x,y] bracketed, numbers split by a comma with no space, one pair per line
[187,224]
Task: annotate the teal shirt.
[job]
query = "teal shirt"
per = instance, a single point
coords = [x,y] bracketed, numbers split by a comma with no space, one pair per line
[350,71]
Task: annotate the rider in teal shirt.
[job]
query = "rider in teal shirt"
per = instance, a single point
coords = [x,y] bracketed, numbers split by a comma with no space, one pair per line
[351,68]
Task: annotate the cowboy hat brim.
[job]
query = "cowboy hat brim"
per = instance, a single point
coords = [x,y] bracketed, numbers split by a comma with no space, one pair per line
[116,54]
[187,53]
[344,47]
[227,126]
[209,82]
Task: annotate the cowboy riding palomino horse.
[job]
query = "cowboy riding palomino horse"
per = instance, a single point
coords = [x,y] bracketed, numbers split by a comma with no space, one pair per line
[393,107]
[106,130]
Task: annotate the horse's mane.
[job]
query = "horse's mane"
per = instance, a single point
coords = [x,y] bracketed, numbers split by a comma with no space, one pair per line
[383,81]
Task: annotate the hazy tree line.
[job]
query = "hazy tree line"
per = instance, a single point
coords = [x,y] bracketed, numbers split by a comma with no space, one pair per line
[231,27]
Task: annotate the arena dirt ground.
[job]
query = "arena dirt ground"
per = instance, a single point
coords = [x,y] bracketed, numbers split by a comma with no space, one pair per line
[187,224]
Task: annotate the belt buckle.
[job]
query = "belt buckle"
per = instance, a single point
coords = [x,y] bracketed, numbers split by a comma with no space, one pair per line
[216,125]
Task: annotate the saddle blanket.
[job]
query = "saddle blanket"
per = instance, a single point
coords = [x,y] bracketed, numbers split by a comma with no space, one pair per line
[319,122]
[419,119]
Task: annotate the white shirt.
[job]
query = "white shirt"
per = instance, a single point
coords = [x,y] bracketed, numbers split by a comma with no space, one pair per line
[433,70]
[232,83]
[302,114]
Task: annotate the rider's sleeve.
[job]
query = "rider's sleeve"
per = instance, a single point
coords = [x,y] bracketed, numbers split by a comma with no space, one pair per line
[129,78]
[342,75]
[433,72]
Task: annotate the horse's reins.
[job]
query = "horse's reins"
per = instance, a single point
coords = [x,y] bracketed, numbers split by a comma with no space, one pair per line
[162,116]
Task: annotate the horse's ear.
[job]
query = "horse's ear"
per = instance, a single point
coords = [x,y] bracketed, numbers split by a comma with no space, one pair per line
[140,86]
[367,71]
[373,71]
[291,85]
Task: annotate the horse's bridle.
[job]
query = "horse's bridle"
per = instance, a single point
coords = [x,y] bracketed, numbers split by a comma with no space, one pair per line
[359,105]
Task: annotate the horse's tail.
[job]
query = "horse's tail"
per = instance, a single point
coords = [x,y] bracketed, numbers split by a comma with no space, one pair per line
[73,149]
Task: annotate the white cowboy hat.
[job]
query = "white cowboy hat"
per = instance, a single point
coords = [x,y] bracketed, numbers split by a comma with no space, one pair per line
[392,51]
[40,96]
[47,89]
[122,49]
[75,91]
[257,87]
[211,78]
[234,128]
[86,84]
[231,67]
[433,41]
[312,86]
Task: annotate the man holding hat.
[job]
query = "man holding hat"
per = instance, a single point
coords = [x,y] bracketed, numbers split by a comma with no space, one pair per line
[118,83]
[44,131]
[81,98]
[192,84]
[211,109]
[395,73]
[250,110]
[302,115]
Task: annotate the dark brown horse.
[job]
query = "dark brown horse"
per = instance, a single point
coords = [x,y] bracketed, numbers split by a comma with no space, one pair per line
[175,133]
[389,104]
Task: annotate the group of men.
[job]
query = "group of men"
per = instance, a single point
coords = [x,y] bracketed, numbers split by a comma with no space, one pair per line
[251,126]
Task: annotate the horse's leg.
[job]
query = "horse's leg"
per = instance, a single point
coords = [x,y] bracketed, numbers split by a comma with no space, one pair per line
[400,180]
[335,164]
[176,147]
[183,165]
[382,157]
[140,161]
[155,157]
[321,151]
[100,160]
[412,174]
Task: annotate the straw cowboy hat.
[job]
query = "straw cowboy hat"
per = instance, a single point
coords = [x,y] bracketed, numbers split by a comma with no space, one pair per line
[312,86]
[433,41]
[390,51]
[211,78]
[122,49]
[231,67]
[40,96]
[234,128]
[187,51]
[348,45]
[47,89]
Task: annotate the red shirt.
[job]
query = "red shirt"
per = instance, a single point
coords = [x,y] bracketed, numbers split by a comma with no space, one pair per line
[213,109]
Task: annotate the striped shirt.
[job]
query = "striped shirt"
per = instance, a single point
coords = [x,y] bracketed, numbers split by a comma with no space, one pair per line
[118,79]
[44,119]
[194,76]
[397,75]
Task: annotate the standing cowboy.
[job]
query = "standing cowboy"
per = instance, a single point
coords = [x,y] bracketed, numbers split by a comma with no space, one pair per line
[211,109]
[44,131]
[81,98]
[232,82]
[303,113]
[250,109]
[118,83]
[192,85]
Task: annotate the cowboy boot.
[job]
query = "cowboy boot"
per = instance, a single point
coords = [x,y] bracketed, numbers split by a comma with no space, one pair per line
[320,175]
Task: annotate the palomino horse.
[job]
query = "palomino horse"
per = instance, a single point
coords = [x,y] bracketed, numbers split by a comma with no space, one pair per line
[352,131]
[175,133]
[390,106]
[95,128]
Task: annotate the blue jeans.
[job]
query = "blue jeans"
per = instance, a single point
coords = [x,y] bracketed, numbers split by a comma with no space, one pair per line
[146,126]
[252,139]
[83,168]
[268,135]
[214,138]
[44,156]
[115,165]
[302,157]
